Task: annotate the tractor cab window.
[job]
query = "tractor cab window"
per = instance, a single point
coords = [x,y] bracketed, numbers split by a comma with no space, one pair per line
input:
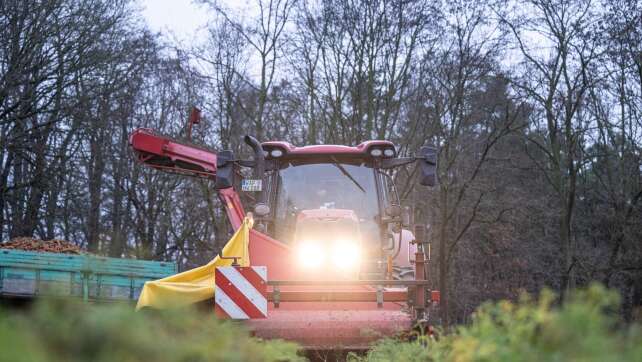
[309,188]
[388,189]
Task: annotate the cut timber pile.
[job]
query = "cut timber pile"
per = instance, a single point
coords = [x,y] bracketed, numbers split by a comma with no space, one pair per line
[49,246]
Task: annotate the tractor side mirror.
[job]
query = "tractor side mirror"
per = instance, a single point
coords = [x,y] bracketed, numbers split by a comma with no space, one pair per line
[393,211]
[428,165]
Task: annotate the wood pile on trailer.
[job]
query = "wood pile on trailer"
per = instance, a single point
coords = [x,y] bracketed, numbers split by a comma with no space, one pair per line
[48,246]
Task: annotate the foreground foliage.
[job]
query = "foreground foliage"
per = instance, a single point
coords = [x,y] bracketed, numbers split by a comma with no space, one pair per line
[69,331]
[585,328]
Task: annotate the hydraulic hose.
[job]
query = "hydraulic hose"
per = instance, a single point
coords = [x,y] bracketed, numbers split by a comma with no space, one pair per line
[259,157]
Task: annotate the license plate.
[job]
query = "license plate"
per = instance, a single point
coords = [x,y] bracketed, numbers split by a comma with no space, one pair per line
[251,185]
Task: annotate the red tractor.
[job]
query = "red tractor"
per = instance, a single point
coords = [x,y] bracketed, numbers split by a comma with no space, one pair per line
[343,267]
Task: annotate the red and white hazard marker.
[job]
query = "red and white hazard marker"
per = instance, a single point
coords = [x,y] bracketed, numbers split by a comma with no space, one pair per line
[240,292]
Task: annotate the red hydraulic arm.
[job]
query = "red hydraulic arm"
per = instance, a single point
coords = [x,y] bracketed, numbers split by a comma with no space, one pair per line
[166,154]
[233,206]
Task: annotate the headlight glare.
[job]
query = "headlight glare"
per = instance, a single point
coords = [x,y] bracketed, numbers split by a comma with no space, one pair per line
[346,254]
[310,254]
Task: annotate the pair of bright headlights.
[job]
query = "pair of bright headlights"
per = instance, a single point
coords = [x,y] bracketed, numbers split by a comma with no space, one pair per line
[377,152]
[342,254]
[276,153]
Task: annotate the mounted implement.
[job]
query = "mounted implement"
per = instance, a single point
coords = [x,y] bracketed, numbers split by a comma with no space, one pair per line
[342,268]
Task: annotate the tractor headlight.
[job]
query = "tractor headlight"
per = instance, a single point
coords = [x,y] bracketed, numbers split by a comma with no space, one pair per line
[310,254]
[346,254]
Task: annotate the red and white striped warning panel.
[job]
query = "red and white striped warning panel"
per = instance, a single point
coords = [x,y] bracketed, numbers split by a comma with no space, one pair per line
[240,292]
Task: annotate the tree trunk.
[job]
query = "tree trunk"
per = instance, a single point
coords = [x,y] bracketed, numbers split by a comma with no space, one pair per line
[31,216]
[443,256]
[97,166]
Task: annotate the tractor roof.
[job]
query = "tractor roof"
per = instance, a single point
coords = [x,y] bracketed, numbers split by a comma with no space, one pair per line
[361,150]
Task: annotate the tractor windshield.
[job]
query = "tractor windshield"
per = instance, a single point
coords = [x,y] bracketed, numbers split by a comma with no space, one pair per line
[320,186]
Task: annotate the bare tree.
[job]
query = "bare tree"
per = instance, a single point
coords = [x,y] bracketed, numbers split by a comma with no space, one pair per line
[611,189]
[264,35]
[554,78]
[355,59]
[46,47]
[466,137]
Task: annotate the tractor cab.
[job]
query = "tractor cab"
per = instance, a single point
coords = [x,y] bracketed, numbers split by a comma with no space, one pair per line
[333,204]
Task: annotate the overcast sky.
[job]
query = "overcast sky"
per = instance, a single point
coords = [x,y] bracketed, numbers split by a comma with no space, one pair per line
[181,18]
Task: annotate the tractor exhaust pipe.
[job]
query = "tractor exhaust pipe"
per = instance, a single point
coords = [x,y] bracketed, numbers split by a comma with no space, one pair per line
[261,208]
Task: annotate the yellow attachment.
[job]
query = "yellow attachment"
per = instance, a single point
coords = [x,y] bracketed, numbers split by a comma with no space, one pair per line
[197,284]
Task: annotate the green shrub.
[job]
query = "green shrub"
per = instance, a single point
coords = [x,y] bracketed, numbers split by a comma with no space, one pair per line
[585,328]
[67,331]
[391,350]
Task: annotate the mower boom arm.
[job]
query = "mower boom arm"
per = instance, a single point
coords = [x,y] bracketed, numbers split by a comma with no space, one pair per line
[166,154]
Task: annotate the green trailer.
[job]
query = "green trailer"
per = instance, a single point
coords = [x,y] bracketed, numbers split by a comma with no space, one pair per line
[29,274]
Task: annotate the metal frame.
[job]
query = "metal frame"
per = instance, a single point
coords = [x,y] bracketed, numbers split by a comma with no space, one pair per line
[317,283]
[414,295]
[417,300]
[379,296]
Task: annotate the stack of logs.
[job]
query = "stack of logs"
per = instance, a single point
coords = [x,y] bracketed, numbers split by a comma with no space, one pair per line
[49,246]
